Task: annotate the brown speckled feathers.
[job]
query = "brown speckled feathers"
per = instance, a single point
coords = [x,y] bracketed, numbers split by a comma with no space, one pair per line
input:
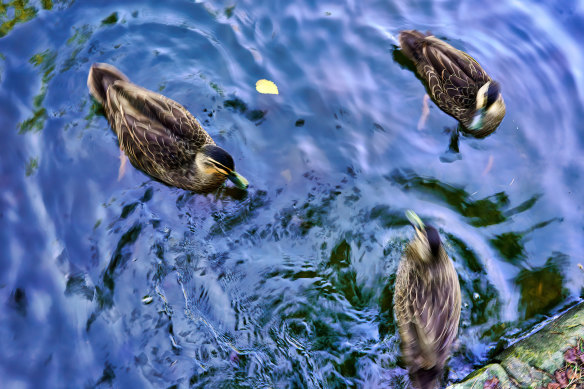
[452,77]
[159,136]
[427,305]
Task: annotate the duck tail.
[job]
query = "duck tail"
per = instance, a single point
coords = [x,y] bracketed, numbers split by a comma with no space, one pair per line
[101,76]
[410,42]
[426,379]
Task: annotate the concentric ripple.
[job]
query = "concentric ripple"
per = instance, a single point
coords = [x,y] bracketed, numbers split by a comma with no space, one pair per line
[128,282]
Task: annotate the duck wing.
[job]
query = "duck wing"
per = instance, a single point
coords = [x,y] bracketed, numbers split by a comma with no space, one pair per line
[155,132]
[433,312]
[453,77]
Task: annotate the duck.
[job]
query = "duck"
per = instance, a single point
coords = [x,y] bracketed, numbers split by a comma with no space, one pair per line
[159,136]
[456,82]
[427,303]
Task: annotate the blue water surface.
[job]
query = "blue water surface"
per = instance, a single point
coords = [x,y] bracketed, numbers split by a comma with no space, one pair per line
[125,282]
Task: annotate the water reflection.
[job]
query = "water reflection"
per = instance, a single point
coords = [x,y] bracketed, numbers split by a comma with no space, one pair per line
[133,283]
[511,245]
[482,299]
[18,301]
[45,61]
[493,209]
[129,228]
[18,12]
[238,105]
[542,288]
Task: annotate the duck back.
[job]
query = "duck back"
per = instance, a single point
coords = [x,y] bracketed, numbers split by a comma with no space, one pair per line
[411,44]
[101,76]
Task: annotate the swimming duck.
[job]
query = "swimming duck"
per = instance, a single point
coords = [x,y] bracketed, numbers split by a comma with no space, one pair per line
[426,304]
[455,82]
[159,136]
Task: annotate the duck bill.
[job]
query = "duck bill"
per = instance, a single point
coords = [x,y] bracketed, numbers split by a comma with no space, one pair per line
[415,220]
[238,180]
[477,121]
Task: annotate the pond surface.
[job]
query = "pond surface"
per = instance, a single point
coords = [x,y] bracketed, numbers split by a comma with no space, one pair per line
[111,282]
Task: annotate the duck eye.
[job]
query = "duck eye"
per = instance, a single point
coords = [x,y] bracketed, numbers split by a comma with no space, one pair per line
[220,168]
[492,94]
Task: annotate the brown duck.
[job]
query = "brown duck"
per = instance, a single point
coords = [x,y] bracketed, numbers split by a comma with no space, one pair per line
[455,82]
[426,305]
[159,136]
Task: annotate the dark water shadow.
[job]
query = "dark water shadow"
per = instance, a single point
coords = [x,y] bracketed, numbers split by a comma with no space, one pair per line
[239,106]
[542,288]
[491,210]
[295,220]
[333,308]
[480,295]
[511,245]
[130,226]
[542,295]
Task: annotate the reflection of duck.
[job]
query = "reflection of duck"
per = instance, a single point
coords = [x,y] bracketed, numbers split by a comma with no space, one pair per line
[426,305]
[455,82]
[159,135]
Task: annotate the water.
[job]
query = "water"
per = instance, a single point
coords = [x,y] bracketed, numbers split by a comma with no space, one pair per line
[119,283]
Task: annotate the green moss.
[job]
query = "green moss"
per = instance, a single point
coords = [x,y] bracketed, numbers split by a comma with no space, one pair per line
[544,350]
[477,379]
[532,362]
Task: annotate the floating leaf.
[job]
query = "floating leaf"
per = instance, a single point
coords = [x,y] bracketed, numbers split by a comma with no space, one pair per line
[266,87]
[570,374]
[561,378]
[572,355]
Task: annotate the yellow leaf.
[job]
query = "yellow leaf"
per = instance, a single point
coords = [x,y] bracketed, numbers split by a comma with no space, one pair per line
[266,87]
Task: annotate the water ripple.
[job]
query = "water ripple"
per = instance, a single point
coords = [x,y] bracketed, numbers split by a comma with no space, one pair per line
[130,282]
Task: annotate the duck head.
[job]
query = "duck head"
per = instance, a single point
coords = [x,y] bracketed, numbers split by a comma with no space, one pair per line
[426,244]
[215,165]
[490,110]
